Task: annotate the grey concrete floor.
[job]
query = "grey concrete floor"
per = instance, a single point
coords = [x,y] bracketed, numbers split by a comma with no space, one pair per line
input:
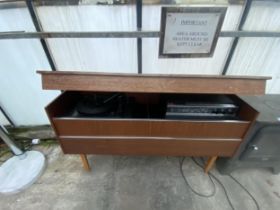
[138,183]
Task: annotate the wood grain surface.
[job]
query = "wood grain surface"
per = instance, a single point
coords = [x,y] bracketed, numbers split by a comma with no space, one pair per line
[85,81]
[173,147]
[155,128]
[147,136]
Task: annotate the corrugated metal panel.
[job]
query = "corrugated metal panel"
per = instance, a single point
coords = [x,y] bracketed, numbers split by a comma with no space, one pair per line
[260,56]
[21,94]
[99,55]
[214,65]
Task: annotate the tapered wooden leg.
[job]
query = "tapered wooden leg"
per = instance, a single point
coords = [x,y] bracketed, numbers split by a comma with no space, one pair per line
[210,163]
[85,162]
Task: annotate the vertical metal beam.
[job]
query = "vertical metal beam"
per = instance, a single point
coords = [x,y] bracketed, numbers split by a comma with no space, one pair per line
[7,116]
[139,40]
[38,27]
[244,16]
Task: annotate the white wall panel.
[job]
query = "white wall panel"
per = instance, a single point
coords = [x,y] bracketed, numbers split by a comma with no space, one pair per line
[260,56]
[99,55]
[21,94]
[275,87]
[213,65]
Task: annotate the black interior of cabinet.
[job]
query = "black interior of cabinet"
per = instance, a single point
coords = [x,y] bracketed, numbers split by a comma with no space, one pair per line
[136,105]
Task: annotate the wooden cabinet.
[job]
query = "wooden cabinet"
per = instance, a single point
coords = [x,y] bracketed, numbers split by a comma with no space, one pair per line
[149,133]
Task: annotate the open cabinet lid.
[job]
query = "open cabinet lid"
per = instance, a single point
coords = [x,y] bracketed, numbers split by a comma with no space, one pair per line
[148,83]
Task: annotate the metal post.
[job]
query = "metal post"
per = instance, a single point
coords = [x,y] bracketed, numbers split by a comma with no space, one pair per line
[244,15]
[10,143]
[38,27]
[139,40]
[7,116]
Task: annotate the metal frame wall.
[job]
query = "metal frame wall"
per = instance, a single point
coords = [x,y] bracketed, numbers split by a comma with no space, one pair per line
[247,6]
[138,34]
[38,26]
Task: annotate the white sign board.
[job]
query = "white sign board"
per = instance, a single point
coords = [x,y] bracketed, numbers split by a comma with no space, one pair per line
[190,32]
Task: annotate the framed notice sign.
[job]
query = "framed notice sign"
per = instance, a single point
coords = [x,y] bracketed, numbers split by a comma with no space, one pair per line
[190,31]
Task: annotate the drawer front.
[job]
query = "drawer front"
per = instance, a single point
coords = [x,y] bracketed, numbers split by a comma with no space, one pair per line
[150,128]
[76,127]
[150,146]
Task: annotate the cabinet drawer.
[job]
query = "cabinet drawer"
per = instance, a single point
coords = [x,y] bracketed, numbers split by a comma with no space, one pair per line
[150,128]
[150,146]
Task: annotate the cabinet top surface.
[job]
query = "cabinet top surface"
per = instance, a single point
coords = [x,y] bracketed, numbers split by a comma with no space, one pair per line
[150,83]
[154,75]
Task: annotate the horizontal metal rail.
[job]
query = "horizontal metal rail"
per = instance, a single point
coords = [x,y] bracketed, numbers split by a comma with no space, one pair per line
[263,34]
[87,34]
[122,34]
